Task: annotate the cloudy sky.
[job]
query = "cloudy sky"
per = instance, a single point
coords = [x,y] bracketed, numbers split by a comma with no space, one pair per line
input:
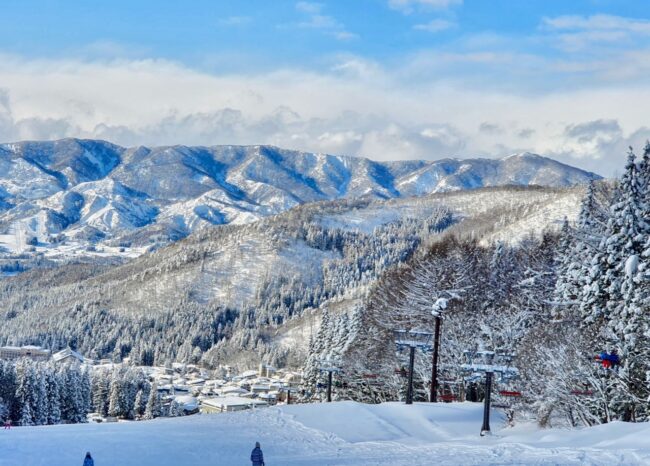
[385,79]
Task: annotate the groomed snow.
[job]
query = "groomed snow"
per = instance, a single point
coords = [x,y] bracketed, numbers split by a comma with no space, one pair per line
[344,433]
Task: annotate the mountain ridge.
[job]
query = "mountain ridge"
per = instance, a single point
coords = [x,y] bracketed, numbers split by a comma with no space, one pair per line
[84,192]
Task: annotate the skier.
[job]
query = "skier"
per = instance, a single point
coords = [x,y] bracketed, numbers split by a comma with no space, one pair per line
[88,461]
[604,359]
[257,457]
[8,424]
[610,360]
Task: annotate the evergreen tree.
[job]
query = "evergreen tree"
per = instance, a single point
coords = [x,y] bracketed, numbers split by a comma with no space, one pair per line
[26,391]
[53,396]
[153,408]
[101,392]
[139,404]
[41,405]
[115,406]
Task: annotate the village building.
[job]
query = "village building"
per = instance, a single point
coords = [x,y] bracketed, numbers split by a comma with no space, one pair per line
[230,404]
[68,355]
[12,353]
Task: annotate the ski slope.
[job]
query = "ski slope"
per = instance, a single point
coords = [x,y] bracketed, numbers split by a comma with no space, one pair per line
[343,433]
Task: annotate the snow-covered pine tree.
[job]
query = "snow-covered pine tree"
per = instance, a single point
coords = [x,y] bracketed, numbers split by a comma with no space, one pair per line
[139,404]
[4,410]
[73,406]
[115,403]
[627,231]
[101,392]
[566,289]
[86,393]
[175,409]
[26,391]
[53,396]
[153,408]
[41,413]
[8,388]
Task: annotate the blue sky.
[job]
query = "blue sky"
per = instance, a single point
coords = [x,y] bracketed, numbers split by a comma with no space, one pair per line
[387,79]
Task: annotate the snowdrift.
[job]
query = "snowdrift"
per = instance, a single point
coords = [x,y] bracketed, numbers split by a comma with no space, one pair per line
[344,433]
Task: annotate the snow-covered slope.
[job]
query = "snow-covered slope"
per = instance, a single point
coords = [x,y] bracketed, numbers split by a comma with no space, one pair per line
[345,433]
[281,269]
[72,193]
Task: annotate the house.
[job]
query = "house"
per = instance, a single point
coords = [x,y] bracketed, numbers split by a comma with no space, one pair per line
[260,388]
[188,404]
[16,352]
[237,391]
[223,404]
[251,374]
[67,355]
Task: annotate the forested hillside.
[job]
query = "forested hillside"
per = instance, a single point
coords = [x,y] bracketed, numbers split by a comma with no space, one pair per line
[572,306]
[71,199]
[240,293]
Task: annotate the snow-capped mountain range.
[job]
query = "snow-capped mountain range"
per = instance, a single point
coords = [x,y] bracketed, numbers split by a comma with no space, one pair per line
[81,192]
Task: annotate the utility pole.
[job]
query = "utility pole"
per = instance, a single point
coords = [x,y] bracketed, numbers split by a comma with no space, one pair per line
[409,390]
[438,307]
[486,406]
[434,364]
[329,386]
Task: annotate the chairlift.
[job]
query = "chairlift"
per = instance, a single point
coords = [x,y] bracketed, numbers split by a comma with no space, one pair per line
[447,397]
[510,393]
[609,361]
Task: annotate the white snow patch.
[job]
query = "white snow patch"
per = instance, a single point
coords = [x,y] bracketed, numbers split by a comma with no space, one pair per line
[344,433]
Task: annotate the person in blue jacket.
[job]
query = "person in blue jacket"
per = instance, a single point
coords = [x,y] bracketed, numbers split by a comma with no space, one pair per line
[257,458]
[610,360]
[88,461]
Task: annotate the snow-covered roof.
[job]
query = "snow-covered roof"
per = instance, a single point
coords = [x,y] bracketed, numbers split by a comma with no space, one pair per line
[67,353]
[187,402]
[233,390]
[226,401]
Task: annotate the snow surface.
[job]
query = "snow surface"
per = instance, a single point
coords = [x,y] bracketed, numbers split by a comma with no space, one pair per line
[344,433]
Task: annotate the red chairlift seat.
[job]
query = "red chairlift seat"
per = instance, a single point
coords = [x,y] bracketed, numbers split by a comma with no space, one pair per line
[448,397]
[512,393]
[582,392]
[369,376]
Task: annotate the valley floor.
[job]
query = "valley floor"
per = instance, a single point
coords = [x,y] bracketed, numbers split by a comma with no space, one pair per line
[344,433]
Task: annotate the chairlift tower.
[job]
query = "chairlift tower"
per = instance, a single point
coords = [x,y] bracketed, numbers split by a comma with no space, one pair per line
[330,367]
[488,363]
[438,307]
[412,339]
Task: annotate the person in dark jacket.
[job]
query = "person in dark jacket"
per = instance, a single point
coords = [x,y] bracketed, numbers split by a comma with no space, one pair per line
[257,458]
[88,461]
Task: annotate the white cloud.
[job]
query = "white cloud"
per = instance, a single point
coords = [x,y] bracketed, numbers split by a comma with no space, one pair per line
[577,33]
[435,25]
[408,6]
[309,7]
[597,22]
[235,20]
[358,107]
[315,19]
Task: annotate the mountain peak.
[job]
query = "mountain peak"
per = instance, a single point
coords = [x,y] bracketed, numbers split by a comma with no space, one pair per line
[162,193]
